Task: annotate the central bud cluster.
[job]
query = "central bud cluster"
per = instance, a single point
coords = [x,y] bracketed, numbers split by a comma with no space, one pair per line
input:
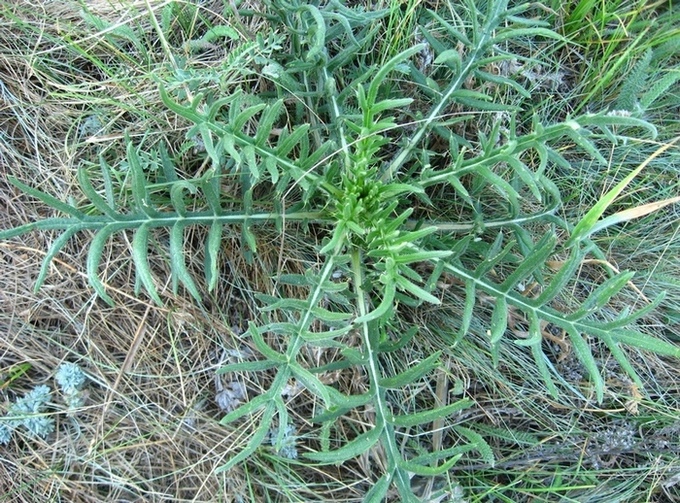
[361,202]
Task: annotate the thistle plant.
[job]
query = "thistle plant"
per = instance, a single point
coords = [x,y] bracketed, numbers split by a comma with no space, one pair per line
[335,148]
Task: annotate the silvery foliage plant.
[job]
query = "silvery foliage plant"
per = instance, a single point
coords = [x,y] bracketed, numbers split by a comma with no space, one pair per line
[30,411]
[71,379]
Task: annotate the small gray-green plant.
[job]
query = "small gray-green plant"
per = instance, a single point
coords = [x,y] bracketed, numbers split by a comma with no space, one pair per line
[366,155]
[284,442]
[71,380]
[29,412]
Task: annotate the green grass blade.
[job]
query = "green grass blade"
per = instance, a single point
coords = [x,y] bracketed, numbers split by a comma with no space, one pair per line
[588,223]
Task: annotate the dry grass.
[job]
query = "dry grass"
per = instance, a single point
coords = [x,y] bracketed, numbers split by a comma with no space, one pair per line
[150,426]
